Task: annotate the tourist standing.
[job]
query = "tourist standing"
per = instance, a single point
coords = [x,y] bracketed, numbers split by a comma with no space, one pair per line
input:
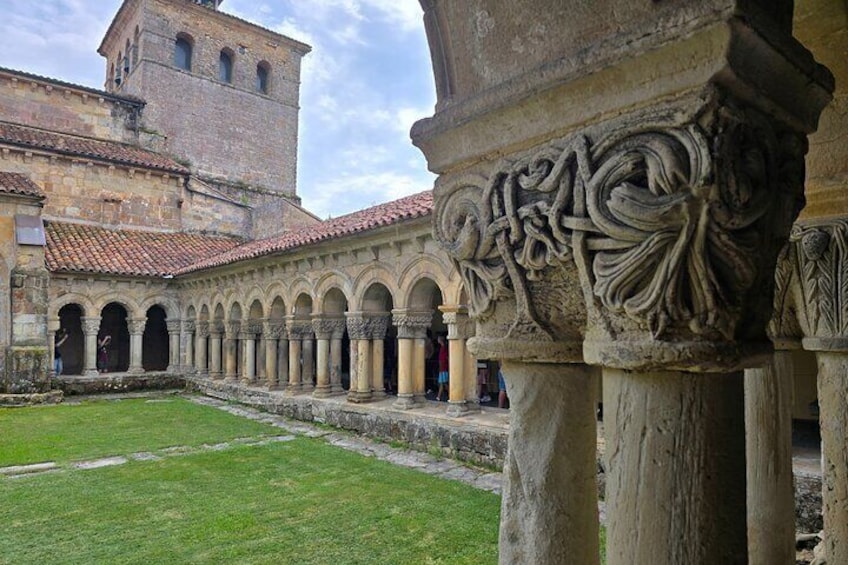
[59,340]
[103,353]
[483,382]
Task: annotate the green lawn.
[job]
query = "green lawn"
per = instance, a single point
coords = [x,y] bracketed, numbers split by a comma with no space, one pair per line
[97,429]
[301,501]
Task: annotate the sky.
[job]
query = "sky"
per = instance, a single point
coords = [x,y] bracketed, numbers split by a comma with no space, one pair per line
[367,79]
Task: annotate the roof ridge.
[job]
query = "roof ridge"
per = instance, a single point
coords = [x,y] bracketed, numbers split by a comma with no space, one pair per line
[126,98]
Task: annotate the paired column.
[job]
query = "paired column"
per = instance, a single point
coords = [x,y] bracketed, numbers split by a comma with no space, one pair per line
[201,348]
[411,328]
[359,330]
[136,327]
[247,371]
[324,330]
[768,455]
[216,350]
[456,319]
[271,332]
[336,356]
[298,330]
[379,325]
[90,327]
[308,359]
[188,360]
[173,327]
[231,344]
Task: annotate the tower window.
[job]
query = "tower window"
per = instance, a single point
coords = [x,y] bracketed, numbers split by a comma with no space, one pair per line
[263,71]
[182,53]
[225,67]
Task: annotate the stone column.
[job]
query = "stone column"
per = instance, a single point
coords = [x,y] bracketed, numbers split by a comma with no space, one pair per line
[90,327]
[136,329]
[379,328]
[283,360]
[308,355]
[216,347]
[336,356]
[359,328]
[410,326]
[247,372]
[819,254]
[202,349]
[296,331]
[324,329]
[271,334]
[174,352]
[188,361]
[419,369]
[456,319]
[552,443]
[53,326]
[768,456]
[635,228]
[231,345]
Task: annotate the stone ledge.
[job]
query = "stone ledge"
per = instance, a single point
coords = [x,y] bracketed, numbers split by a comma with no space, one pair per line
[31,399]
[118,382]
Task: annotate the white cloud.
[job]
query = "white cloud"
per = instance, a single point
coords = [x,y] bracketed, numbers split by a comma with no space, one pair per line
[349,193]
[407,14]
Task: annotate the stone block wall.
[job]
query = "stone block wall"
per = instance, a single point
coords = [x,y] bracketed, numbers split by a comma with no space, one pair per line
[52,106]
[100,193]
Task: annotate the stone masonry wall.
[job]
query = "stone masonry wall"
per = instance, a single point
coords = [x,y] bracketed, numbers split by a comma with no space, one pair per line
[246,136]
[93,192]
[50,106]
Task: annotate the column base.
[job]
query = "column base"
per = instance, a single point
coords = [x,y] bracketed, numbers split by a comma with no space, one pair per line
[420,398]
[404,402]
[216,376]
[135,371]
[322,392]
[360,397]
[337,389]
[293,389]
[457,408]
[91,373]
[379,395]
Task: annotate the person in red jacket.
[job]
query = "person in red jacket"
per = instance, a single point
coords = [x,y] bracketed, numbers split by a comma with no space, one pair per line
[444,365]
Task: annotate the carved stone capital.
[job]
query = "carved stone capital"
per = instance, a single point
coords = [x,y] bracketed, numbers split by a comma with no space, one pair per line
[232,328]
[136,325]
[458,323]
[203,329]
[412,325]
[328,328]
[189,326]
[90,325]
[819,251]
[173,326]
[358,326]
[216,328]
[299,329]
[379,325]
[668,223]
[273,329]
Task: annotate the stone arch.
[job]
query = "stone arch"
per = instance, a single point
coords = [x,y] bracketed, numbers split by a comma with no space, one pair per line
[203,314]
[114,318]
[72,350]
[376,298]
[300,285]
[277,309]
[256,311]
[372,273]
[333,302]
[171,308]
[80,300]
[329,280]
[235,312]
[424,267]
[302,306]
[255,294]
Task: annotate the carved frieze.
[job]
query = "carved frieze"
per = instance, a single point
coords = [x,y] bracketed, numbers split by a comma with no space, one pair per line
[672,226]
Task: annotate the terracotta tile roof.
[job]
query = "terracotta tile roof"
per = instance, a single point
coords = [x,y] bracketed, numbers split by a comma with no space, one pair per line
[16,183]
[408,208]
[86,147]
[91,249]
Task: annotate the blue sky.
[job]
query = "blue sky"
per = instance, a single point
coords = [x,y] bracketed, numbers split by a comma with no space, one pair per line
[366,81]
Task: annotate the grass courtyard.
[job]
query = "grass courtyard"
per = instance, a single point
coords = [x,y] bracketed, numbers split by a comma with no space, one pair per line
[294,501]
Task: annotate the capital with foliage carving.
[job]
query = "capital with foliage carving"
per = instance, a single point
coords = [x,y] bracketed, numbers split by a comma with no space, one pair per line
[298,328]
[649,241]
[173,326]
[411,324]
[90,325]
[203,329]
[274,329]
[136,325]
[189,326]
[327,328]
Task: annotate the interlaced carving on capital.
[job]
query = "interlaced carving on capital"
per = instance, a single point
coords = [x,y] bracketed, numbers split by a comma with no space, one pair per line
[90,325]
[358,326]
[189,326]
[672,230]
[136,326]
[232,328]
[173,326]
[820,253]
[217,328]
[203,329]
[379,325]
[299,329]
[273,329]
[328,328]
[412,325]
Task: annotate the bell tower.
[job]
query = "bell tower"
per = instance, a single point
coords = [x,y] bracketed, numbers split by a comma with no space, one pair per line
[222,94]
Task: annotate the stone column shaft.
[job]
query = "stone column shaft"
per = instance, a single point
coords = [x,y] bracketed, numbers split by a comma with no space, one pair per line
[768,453]
[249,363]
[677,439]
[283,363]
[419,370]
[90,327]
[136,328]
[190,360]
[271,362]
[378,387]
[308,354]
[550,472]
[294,366]
[231,357]
[457,404]
[833,419]
[173,345]
[336,365]
[363,370]
[215,368]
[353,388]
[406,347]
[201,347]
[322,369]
